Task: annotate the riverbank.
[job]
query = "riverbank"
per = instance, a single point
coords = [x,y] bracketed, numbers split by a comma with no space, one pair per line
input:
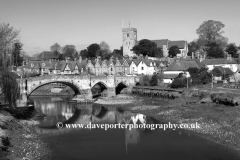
[219,123]
[18,139]
[119,99]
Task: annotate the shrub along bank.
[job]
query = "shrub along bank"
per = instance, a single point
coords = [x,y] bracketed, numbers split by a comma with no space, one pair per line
[232,99]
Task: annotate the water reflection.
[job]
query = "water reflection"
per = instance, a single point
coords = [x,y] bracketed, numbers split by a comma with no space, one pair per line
[62,111]
[118,143]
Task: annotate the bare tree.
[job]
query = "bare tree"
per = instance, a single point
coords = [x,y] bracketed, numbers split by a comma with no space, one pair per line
[8,36]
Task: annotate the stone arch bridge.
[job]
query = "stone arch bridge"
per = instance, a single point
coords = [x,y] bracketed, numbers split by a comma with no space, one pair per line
[82,85]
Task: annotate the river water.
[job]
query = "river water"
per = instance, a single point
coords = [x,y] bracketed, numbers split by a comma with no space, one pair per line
[117,144]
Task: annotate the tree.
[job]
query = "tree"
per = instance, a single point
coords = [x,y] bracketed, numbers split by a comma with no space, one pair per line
[92,50]
[199,76]
[84,53]
[69,51]
[17,57]
[145,80]
[146,47]
[204,76]
[211,31]
[105,47]
[104,51]
[8,82]
[10,87]
[193,47]
[55,47]
[214,50]
[232,50]
[173,51]
[8,36]
[75,55]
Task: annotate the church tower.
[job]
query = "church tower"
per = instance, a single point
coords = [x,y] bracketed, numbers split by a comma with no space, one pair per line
[129,36]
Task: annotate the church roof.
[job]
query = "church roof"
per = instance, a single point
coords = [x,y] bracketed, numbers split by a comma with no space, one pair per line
[161,42]
[181,44]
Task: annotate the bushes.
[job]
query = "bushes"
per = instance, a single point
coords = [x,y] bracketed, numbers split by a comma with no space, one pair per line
[179,83]
[226,98]
[150,80]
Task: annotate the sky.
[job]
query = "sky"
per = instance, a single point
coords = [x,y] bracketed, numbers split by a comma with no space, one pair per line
[83,22]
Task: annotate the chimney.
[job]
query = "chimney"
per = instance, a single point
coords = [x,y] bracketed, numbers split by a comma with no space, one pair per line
[80,59]
[66,59]
[227,56]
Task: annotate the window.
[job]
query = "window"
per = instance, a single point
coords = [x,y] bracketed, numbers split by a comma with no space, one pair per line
[111,69]
[127,34]
[142,68]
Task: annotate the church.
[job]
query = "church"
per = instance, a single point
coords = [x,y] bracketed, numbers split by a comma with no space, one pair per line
[129,40]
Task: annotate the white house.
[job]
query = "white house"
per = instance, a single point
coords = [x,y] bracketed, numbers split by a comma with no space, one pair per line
[146,67]
[134,66]
[225,63]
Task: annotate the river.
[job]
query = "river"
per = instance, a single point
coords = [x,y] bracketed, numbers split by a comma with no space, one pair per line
[118,144]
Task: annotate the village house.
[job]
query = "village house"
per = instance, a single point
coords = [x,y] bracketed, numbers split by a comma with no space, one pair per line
[32,67]
[220,73]
[48,55]
[140,66]
[228,62]
[180,65]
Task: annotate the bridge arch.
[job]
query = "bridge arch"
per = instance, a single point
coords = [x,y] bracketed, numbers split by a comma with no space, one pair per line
[98,88]
[120,86]
[70,84]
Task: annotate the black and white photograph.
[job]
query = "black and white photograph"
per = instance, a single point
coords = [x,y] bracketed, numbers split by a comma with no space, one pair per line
[119,80]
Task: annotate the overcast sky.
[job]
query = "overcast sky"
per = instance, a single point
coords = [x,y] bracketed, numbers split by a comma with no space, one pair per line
[83,22]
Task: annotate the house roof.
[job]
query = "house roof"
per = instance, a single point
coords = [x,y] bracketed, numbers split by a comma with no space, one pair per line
[169,76]
[32,65]
[137,61]
[129,62]
[147,62]
[48,55]
[181,44]
[224,71]
[183,65]
[218,61]
[161,42]
[45,64]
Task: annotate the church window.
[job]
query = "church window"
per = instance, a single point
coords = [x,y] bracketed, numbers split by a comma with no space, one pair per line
[142,68]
